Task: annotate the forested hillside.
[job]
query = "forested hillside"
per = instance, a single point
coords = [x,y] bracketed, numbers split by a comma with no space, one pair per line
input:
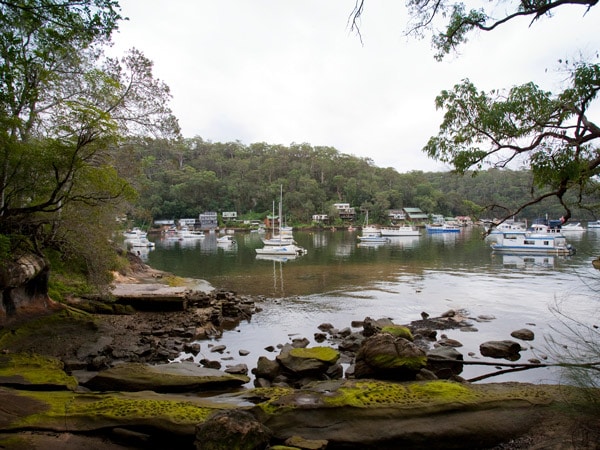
[194,175]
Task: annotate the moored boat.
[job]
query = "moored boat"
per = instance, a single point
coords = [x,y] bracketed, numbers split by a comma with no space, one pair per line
[403,230]
[292,249]
[572,228]
[531,242]
[595,224]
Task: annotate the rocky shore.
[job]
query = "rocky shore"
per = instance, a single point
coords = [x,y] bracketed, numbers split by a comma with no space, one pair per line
[97,374]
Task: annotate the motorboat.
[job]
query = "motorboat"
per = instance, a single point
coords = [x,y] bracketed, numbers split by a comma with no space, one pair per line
[572,228]
[226,239]
[135,233]
[403,230]
[442,228]
[139,242]
[531,241]
[186,233]
[594,225]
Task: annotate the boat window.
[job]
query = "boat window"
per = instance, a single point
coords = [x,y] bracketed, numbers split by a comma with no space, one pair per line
[526,242]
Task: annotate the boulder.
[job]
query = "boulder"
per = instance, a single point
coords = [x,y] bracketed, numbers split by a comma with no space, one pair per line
[524,334]
[308,361]
[500,349]
[384,356]
[444,362]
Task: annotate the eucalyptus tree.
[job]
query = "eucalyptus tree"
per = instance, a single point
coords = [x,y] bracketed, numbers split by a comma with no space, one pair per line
[64,106]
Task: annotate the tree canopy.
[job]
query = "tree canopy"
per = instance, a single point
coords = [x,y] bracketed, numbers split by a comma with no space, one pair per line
[64,106]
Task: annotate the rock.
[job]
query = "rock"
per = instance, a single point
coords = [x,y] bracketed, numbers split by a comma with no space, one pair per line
[524,334]
[234,429]
[372,327]
[447,342]
[300,343]
[218,349]
[442,361]
[320,337]
[500,349]
[239,369]
[308,361]
[243,352]
[266,368]
[384,356]
[306,444]
[177,377]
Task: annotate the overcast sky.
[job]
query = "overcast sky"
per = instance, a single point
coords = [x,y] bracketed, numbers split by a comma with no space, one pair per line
[291,71]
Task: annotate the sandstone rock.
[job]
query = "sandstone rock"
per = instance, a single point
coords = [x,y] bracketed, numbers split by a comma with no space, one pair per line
[178,377]
[234,429]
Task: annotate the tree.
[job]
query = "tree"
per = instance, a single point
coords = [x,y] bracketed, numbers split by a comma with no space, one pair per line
[63,109]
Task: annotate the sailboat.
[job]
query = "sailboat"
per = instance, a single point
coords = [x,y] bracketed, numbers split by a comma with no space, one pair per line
[280,244]
[371,234]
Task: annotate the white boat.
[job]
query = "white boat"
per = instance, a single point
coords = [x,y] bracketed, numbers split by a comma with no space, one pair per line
[274,250]
[404,230]
[139,242]
[279,240]
[531,242]
[135,233]
[594,224]
[186,233]
[508,225]
[283,243]
[227,239]
[572,228]
[371,234]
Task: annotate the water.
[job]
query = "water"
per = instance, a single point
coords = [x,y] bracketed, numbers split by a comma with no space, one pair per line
[339,282]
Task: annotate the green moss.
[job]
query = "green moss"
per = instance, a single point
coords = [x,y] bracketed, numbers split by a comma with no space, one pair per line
[379,393]
[174,281]
[325,354]
[63,406]
[46,327]
[398,331]
[35,369]
[398,362]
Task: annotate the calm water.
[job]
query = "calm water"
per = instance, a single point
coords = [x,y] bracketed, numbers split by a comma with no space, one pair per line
[339,282]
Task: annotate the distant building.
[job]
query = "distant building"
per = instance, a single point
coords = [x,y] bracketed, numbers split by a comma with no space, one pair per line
[229,215]
[396,214]
[187,222]
[415,214]
[208,220]
[345,211]
[320,218]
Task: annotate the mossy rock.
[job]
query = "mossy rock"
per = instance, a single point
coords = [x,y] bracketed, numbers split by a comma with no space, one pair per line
[398,331]
[30,370]
[176,377]
[326,354]
[69,411]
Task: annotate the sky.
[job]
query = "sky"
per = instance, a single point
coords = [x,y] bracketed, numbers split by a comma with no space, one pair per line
[292,71]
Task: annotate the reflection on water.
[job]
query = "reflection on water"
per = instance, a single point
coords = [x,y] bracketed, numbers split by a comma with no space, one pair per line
[339,282]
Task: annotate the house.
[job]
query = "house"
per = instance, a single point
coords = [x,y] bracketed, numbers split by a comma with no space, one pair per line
[396,214]
[345,211]
[208,220]
[320,218]
[415,214]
